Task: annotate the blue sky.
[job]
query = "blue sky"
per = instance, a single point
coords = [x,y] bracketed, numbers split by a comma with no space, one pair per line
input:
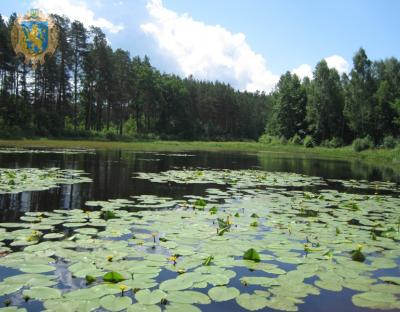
[246,43]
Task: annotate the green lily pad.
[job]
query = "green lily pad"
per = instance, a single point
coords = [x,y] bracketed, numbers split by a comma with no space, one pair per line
[251,302]
[41,293]
[147,297]
[251,254]
[376,300]
[137,307]
[181,307]
[188,296]
[223,293]
[113,303]
[113,277]
[175,284]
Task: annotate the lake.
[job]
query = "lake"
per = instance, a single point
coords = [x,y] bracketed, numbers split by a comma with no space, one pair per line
[324,233]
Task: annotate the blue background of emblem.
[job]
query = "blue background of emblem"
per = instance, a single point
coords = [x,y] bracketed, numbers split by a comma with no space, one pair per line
[43,27]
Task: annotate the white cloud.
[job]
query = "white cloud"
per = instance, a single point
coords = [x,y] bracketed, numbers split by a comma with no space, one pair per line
[338,62]
[334,61]
[207,51]
[5,18]
[303,70]
[77,10]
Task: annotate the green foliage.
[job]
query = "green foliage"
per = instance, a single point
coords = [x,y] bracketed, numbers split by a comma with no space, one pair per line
[389,142]
[251,254]
[213,210]
[308,141]
[130,127]
[357,255]
[333,143]
[269,139]
[362,144]
[90,279]
[296,140]
[208,260]
[113,277]
[200,202]
[89,90]
[289,107]
[325,104]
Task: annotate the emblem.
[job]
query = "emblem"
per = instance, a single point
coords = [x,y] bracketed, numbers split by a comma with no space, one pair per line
[34,35]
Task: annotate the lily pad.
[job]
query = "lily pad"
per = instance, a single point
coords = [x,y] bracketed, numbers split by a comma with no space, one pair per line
[223,293]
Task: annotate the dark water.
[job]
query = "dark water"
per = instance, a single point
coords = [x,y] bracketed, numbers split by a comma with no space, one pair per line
[113,177]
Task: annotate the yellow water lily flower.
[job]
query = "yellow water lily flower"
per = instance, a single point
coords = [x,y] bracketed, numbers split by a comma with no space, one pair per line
[172,258]
[123,287]
[110,258]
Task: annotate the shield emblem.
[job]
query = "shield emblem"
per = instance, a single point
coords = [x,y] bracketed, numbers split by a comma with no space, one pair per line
[34,35]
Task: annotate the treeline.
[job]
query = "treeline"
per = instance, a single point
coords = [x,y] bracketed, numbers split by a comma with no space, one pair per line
[361,107]
[89,89]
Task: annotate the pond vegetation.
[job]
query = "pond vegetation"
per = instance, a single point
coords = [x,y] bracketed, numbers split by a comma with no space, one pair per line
[255,238]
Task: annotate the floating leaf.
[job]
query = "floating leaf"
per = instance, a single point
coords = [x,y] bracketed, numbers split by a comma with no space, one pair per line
[251,254]
[223,293]
[113,303]
[147,297]
[251,302]
[113,277]
[42,293]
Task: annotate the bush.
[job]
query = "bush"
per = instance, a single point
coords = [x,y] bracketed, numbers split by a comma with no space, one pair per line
[283,140]
[363,144]
[268,139]
[336,142]
[130,127]
[296,140]
[308,141]
[389,142]
[333,143]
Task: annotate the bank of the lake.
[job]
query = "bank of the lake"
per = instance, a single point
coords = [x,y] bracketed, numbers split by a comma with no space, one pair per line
[386,157]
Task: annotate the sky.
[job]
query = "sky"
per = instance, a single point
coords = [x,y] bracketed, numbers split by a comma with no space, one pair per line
[247,43]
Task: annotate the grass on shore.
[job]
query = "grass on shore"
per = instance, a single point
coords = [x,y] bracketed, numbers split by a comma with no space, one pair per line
[378,156]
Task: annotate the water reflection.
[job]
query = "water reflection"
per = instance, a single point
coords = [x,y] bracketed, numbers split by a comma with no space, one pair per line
[113,175]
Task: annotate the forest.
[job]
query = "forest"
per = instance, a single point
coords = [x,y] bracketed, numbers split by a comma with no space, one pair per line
[88,90]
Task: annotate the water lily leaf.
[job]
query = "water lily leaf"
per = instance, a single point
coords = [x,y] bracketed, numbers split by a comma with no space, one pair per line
[82,269]
[259,280]
[12,309]
[36,268]
[176,284]
[251,302]
[93,292]
[137,307]
[188,296]
[376,300]
[223,293]
[113,303]
[181,307]
[53,235]
[147,297]
[217,279]
[251,254]
[113,277]
[391,279]
[283,303]
[6,289]
[42,293]
[63,305]
[331,285]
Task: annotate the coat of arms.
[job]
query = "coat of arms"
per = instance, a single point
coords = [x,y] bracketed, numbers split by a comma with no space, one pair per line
[34,35]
